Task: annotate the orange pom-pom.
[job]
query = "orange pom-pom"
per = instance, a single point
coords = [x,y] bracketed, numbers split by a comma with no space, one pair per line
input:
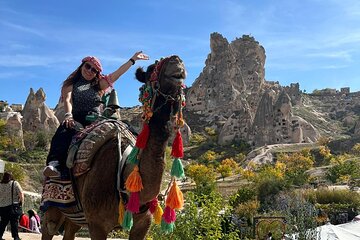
[133,182]
[175,199]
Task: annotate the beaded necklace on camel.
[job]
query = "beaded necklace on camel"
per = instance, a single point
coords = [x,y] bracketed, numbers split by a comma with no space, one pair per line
[174,200]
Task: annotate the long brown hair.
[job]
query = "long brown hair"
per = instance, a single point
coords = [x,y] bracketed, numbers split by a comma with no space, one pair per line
[7,177]
[76,75]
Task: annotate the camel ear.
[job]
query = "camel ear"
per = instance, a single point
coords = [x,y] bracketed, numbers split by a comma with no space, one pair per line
[140,75]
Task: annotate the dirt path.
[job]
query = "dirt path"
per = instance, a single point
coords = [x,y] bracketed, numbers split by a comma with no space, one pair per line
[33,236]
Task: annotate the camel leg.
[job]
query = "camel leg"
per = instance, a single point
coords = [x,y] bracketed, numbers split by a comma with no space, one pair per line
[97,232]
[141,226]
[70,230]
[53,219]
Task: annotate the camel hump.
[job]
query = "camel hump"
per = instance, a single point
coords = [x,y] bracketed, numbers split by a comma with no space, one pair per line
[81,153]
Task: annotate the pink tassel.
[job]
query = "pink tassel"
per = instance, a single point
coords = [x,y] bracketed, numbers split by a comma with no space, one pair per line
[169,215]
[177,150]
[152,205]
[141,140]
[134,202]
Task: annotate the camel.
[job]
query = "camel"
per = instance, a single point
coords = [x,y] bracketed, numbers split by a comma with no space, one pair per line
[97,188]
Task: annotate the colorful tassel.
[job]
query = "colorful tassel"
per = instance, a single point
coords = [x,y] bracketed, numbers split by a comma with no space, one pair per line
[152,205]
[175,199]
[141,140]
[177,169]
[158,214]
[134,202]
[169,215]
[128,221]
[121,212]
[132,158]
[167,227]
[134,182]
[177,150]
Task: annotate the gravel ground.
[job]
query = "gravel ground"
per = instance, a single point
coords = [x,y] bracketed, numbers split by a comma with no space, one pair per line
[33,236]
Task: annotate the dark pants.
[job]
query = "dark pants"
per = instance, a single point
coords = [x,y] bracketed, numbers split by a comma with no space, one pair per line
[59,146]
[6,216]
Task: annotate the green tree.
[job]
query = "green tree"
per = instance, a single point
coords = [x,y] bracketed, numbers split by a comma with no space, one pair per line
[296,165]
[224,170]
[200,173]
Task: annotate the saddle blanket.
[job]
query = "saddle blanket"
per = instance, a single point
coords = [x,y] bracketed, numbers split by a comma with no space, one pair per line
[57,193]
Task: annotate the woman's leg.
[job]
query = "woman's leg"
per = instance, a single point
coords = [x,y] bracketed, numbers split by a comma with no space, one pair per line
[5,217]
[14,223]
[56,160]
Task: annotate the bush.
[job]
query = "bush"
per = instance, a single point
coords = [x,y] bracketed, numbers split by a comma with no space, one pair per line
[327,196]
[34,156]
[299,213]
[16,170]
[197,138]
[267,191]
[242,195]
[199,221]
[349,168]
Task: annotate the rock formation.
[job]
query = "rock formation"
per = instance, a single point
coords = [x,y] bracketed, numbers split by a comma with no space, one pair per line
[13,125]
[36,115]
[231,94]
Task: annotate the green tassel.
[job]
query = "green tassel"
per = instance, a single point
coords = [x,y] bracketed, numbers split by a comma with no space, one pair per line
[132,158]
[177,169]
[167,227]
[128,221]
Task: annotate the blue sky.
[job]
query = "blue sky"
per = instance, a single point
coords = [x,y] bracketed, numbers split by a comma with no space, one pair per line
[315,43]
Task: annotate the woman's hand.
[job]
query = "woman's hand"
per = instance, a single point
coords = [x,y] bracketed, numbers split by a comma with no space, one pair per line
[140,56]
[69,122]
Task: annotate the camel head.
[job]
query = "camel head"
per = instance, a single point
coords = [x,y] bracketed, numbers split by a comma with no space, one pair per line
[165,78]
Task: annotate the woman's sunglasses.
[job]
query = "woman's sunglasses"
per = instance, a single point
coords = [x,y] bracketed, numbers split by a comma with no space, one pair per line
[89,67]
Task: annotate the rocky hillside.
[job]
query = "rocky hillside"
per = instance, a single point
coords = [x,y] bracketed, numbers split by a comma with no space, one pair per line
[231,96]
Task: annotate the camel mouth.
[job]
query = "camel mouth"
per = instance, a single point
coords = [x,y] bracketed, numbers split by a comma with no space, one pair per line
[178,77]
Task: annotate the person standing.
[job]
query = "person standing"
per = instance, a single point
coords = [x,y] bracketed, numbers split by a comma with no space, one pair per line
[11,192]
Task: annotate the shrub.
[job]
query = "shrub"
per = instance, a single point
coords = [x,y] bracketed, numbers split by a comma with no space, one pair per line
[200,173]
[34,156]
[299,213]
[327,196]
[350,168]
[267,190]
[197,138]
[356,149]
[210,131]
[199,221]
[242,195]
[16,170]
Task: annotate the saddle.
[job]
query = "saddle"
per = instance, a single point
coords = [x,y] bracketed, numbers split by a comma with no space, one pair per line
[88,141]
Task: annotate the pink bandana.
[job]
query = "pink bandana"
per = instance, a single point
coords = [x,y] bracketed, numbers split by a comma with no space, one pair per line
[93,60]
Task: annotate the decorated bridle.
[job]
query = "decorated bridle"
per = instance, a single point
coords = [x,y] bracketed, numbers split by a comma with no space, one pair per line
[149,92]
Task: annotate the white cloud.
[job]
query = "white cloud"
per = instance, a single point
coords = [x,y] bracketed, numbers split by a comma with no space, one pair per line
[22,28]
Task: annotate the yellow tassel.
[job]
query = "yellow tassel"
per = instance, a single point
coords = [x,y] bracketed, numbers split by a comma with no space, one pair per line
[133,182]
[121,211]
[175,199]
[158,214]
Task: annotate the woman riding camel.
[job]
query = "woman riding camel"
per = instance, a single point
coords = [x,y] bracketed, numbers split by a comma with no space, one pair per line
[81,93]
